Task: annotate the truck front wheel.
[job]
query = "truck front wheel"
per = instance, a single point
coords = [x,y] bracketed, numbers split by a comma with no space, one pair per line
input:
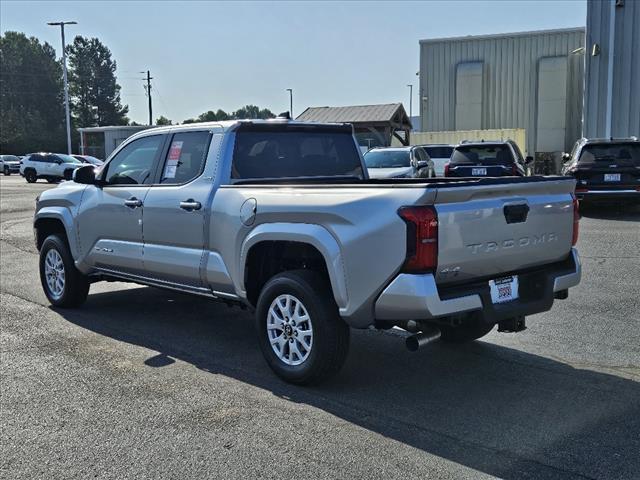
[300,332]
[61,281]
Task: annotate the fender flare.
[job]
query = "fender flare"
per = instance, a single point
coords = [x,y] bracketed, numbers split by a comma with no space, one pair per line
[314,235]
[64,216]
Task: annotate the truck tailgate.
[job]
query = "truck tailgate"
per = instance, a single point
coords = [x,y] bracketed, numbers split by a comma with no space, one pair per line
[488,230]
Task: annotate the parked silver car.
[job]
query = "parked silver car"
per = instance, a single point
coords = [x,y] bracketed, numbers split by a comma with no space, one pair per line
[281,217]
[9,164]
[399,162]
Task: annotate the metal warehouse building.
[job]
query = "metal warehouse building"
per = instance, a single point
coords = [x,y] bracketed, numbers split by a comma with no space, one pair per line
[612,85]
[529,80]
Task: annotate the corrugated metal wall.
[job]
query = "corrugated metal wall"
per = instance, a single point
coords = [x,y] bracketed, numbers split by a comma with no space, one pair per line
[625,111]
[510,70]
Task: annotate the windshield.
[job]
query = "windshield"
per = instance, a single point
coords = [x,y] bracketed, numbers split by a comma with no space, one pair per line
[482,155]
[621,154]
[439,152]
[9,158]
[67,158]
[387,158]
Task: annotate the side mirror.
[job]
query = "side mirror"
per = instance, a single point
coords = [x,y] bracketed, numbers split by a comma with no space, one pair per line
[528,160]
[421,164]
[566,157]
[85,174]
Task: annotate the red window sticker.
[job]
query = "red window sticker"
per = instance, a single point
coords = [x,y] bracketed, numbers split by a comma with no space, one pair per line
[175,150]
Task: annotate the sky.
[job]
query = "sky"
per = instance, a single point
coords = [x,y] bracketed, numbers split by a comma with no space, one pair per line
[209,55]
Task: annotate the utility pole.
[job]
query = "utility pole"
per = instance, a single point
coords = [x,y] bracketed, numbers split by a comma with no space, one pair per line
[148,90]
[66,83]
[290,90]
[410,99]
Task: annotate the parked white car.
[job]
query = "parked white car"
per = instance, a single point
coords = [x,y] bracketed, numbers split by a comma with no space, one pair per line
[9,164]
[398,162]
[53,167]
[440,154]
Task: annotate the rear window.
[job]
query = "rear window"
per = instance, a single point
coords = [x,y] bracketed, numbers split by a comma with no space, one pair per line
[439,152]
[482,154]
[387,158]
[289,154]
[621,154]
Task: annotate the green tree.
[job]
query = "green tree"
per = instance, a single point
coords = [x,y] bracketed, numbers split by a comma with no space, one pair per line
[31,109]
[252,111]
[162,120]
[95,94]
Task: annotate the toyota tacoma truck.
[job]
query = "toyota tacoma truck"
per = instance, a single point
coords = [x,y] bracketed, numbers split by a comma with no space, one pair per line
[280,217]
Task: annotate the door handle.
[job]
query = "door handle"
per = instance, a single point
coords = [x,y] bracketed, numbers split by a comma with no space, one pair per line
[133,202]
[190,205]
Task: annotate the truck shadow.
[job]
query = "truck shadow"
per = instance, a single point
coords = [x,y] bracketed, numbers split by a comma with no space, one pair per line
[494,409]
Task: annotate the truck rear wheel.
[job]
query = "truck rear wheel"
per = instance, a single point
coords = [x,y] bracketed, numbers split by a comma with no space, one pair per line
[300,332]
[61,281]
[466,332]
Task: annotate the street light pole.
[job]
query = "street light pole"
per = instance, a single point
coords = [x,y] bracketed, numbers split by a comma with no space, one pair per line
[290,90]
[66,83]
[410,99]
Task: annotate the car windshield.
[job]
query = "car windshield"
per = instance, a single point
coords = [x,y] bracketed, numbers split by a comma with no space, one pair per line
[9,158]
[482,155]
[387,158]
[439,152]
[67,158]
[621,154]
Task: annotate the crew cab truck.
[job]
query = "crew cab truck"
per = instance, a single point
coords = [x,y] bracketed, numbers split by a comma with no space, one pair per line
[280,216]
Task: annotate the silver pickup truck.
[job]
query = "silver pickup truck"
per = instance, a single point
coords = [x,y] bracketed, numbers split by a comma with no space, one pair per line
[281,217]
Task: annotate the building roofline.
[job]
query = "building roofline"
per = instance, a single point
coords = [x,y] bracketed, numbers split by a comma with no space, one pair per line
[502,35]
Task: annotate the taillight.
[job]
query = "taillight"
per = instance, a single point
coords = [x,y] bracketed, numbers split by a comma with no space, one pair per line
[422,238]
[576,220]
[446,169]
[514,170]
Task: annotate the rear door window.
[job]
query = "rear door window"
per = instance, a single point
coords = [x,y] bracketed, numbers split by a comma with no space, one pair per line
[482,154]
[291,153]
[185,158]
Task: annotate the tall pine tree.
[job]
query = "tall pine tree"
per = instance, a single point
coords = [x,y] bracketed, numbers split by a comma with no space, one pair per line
[31,108]
[95,94]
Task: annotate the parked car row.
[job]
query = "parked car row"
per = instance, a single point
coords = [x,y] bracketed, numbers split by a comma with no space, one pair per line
[52,167]
[469,159]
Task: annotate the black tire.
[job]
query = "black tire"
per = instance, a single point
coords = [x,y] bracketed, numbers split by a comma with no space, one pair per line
[76,285]
[6,171]
[30,176]
[466,332]
[330,341]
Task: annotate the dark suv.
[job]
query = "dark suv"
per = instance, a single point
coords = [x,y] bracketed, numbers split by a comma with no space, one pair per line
[487,159]
[605,169]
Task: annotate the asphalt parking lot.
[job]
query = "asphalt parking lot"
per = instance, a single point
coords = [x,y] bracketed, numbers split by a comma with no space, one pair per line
[142,383]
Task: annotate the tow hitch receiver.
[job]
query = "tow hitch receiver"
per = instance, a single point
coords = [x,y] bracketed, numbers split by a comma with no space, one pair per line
[512,325]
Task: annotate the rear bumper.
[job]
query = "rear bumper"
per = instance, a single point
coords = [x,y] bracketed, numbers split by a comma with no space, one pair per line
[417,297]
[613,194]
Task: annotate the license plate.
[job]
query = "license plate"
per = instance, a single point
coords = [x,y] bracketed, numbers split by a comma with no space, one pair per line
[504,289]
[611,177]
[478,171]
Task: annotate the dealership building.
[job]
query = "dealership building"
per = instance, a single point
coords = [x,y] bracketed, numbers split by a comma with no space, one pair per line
[527,80]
